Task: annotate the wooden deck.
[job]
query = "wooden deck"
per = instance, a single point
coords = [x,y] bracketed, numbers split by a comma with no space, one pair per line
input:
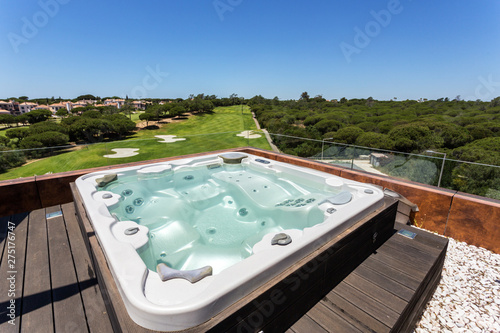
[48,282]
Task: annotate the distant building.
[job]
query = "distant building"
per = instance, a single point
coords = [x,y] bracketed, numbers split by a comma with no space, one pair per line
[86,101]
[57,106]
[26,107]
[115,102]
[7,106]
[41,107]
[139,105]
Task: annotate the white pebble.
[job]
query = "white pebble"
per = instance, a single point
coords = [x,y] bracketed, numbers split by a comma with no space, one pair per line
[468,296]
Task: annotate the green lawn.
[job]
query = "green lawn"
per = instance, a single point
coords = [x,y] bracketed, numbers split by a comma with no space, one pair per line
[205,132]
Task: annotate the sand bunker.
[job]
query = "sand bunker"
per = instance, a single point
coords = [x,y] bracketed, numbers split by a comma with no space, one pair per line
[123,152]
[169,138]
[249,135]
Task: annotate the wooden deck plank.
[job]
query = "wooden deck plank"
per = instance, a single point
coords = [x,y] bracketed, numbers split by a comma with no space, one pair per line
[307,325]
[330,321]
[405,261]
[396,273]
[378,293]
[410,276]
[95,310]
[12,272]
[424,237]
[410,250]
[37,315]
[373,307]
[354,313]
[370,299]
[67,302]
[419,243]
[381,280]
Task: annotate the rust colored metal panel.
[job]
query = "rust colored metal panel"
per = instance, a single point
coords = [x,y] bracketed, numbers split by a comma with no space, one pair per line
[54,189]
[433,203]
[18,196]
[475,220]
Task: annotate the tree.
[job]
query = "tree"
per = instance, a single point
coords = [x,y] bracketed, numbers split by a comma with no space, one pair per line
[45,139]
[47,126]
[17,133]
[304,96]
[414,138]
[95,114]
[147,116]
[7,119]
[375,140]
[36,116]
[4,141]
[62,112]
[89,129]
[10,159]
[23,98]
[328,125]
[176,111]
[120,124]
[347,135]
[88,96]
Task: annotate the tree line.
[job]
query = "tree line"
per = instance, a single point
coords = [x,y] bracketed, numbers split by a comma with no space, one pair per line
[464,130]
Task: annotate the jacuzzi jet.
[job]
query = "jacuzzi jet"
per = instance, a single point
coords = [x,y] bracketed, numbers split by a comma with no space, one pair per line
[263,223]
[163,254]
[138,201]
[243,212]
[129,209]
[127,193]
[189,177]
[211,231]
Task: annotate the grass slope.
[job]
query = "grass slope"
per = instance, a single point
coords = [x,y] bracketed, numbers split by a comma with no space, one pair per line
[225,122]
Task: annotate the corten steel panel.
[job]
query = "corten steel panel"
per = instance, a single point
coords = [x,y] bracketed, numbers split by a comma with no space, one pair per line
[475,220]
[18,196]
[433,203]
[54,189]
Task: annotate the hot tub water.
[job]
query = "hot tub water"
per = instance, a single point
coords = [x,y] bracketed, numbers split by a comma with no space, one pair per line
[213,216]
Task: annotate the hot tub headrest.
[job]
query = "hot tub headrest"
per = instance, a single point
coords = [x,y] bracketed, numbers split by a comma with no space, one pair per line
[106,179]
[166,273]
[232,158]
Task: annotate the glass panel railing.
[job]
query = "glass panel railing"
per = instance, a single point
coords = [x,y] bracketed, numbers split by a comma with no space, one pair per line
[432,168]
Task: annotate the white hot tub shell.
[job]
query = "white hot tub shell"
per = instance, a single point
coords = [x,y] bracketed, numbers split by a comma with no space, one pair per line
[178,304]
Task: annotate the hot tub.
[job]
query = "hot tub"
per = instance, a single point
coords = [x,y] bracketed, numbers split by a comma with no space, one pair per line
[187,238]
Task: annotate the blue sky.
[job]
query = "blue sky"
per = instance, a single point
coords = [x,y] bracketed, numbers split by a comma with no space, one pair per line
[407,49]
